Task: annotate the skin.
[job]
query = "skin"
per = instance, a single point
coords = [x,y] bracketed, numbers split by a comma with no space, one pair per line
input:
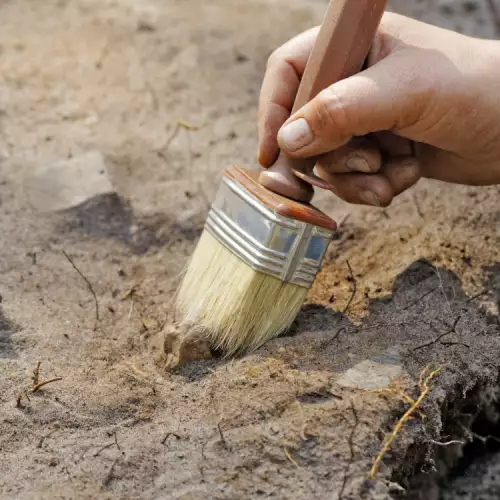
[428,105]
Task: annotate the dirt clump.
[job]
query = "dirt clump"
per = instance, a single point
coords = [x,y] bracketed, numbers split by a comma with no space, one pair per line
[180,345]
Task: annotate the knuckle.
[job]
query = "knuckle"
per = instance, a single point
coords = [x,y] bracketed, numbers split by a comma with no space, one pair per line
[274,58]
[330,114]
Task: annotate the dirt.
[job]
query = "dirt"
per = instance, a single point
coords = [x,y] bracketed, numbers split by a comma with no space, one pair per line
[167,92]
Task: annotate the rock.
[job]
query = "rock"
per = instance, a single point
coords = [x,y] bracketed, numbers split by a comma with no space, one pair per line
[375,373]
[181,345]
[68,183]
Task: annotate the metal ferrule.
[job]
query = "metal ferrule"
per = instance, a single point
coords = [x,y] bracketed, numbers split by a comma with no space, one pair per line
[285,248]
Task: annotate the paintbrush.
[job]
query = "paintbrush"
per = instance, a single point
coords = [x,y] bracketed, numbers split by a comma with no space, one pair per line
[263,242]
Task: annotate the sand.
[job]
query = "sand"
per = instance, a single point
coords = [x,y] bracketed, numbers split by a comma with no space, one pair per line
[165,94]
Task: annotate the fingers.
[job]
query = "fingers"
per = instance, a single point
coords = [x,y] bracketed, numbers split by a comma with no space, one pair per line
[362,189]
[279,88]
[359,155]
[402,173]
[382,97]
[375,189]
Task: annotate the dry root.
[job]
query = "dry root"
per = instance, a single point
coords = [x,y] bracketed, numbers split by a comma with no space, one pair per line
[424,381]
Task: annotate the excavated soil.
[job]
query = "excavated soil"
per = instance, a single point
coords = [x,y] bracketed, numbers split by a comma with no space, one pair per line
[164,95]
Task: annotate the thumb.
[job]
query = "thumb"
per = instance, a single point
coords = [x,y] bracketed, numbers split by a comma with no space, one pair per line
[383,97]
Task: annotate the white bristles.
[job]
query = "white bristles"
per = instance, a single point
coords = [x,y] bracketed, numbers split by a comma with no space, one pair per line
[239,307]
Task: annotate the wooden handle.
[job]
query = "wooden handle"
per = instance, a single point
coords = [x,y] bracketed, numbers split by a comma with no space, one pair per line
[278,204]
[341,48]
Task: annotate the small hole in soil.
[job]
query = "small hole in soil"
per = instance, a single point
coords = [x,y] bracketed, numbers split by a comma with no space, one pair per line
[473,419]
[315,397]
[485,442]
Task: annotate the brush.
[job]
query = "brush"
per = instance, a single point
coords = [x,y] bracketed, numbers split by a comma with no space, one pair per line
[263,242]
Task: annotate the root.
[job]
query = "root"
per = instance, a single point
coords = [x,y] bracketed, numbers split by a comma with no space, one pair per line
[424,381]
[287,454]
[45,382]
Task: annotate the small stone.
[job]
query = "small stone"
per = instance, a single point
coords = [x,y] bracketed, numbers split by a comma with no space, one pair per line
[377,372]
[181,345]
[68,183]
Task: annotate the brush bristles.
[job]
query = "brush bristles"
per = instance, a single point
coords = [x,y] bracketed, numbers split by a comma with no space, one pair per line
[239,307]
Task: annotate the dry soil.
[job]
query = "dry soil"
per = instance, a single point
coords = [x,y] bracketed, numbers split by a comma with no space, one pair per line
[117,77]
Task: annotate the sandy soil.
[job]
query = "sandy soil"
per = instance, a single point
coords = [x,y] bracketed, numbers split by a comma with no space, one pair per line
[116,76]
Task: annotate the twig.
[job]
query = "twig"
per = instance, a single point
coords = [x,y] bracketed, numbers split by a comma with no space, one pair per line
[439,337]
[143,324]
[187,126]
[130,291]
[364,328]
[36,373]
[82,456]
[203,450]
[415,302]
[354,288]
[45,382]
[222,438]
[484,439]
[335,337]
[110,475]
[65,469]
[424,386]
[179,124]
[115,443]
[43,438]
[417,206]
[447,443]
[96,302]
[456,343]
[401,394]
[105,447]
[441,285]
[163,150]
[350,441]
[36,379]
[289,457]
[18,401]
[164,440]
[480,294]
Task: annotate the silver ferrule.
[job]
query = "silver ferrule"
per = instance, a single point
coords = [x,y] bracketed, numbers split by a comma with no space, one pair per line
[285,248]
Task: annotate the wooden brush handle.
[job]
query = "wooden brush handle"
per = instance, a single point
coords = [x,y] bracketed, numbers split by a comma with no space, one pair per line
[248,179]
[341,48]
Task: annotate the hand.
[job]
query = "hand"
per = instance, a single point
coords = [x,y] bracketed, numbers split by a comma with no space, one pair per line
[428,105]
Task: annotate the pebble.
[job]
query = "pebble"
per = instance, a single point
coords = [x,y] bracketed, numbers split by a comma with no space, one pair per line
[68,183]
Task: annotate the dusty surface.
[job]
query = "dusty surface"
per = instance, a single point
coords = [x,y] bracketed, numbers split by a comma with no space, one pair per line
[115,77]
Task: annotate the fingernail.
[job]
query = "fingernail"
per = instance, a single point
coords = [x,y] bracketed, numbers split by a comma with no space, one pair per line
[370,198]
[296,135]
[358,163]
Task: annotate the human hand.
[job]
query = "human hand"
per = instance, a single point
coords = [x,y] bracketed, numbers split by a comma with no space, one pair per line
[428,105]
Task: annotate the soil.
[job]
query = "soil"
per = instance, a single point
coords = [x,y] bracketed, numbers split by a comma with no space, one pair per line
[166,93]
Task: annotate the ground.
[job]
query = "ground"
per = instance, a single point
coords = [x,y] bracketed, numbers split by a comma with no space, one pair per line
[164,94]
